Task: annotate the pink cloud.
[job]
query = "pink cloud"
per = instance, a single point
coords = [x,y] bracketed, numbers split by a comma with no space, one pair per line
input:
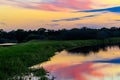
[65,5]
[76,4]
[51,7]
[54,5]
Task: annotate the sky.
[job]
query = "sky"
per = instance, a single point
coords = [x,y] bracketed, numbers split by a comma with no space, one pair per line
[58,14]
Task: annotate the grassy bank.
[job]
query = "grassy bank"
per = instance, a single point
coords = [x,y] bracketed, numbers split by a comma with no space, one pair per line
[17,59]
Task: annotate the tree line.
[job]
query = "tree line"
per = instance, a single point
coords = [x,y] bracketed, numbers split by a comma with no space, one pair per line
[84,33]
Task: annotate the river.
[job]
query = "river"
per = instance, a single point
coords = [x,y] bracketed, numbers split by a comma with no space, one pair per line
[87,63]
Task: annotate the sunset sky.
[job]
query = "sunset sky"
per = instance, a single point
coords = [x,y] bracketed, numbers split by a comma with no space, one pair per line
[58,14]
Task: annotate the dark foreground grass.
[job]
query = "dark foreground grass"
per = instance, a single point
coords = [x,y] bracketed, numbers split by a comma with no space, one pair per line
[15,60]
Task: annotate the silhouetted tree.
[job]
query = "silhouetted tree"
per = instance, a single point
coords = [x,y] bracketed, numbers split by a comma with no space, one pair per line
[21,35]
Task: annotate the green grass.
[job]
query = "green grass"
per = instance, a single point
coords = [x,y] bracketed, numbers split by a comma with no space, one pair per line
[15,60]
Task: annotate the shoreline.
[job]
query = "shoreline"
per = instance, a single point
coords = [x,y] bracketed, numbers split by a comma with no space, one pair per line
[24,55]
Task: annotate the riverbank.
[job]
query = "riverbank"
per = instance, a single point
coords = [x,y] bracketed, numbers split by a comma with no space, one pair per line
[16,59]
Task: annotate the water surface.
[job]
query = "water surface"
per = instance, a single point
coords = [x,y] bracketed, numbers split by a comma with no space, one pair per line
[88,63]
[7,44]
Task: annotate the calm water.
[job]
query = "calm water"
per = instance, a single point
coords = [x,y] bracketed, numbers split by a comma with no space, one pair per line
[88,63]
[8,44]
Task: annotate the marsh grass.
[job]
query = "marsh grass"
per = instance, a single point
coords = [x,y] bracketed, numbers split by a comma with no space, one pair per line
[16,59]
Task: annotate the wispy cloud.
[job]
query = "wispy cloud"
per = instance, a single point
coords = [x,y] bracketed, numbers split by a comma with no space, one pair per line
[60,5]
[112,9]
[77,18]
[116,20]
[52,25]
[51,5]
[3,23]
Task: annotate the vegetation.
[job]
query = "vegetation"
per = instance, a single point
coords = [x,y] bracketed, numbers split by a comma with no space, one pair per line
[72,34]
[16,59]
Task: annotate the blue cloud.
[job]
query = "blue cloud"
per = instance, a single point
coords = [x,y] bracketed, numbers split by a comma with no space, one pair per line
[112,9]
[68,19]
[77,18]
